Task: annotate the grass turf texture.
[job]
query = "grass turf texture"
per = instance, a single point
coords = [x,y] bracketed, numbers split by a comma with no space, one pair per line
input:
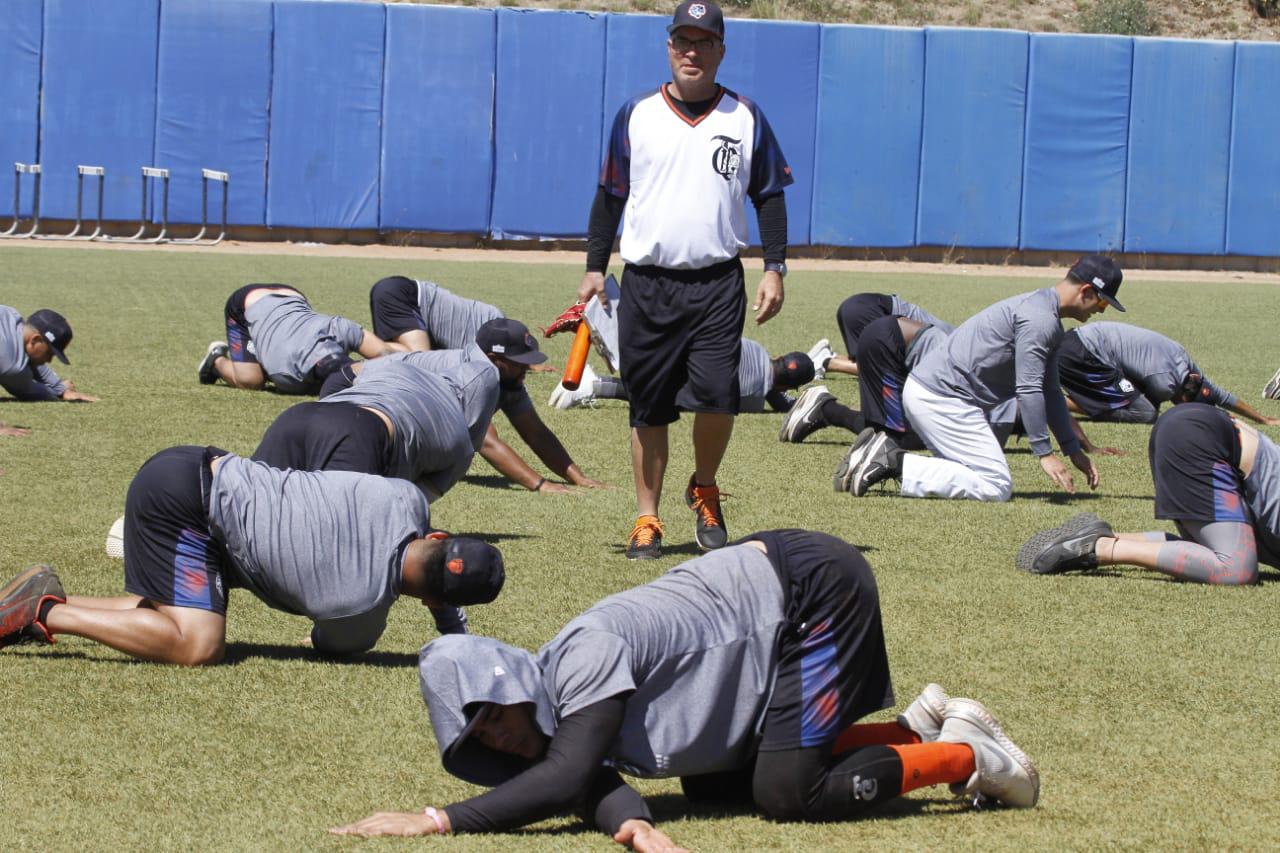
[1149,705]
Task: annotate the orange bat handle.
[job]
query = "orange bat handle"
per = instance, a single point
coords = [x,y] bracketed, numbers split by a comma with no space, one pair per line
[577,358]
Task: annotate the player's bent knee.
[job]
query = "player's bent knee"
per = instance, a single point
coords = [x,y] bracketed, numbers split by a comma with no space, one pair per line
[201,652]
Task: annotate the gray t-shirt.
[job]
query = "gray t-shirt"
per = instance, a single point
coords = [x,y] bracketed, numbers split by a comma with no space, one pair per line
[1004,352]
[18,376]
[512,401]
[1156,365]
[451,320]
[323,544]
[432,446]
[903,308]
[755,376]
[1262,493]
[290,338]
[698,648]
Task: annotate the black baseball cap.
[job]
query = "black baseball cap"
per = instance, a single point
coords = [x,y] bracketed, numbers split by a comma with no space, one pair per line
[1101,272]
[793,370]
[509,339]
[471,572]
[700,14]
[55,329]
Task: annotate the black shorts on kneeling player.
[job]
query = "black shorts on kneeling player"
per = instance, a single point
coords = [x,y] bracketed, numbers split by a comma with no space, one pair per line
[1194,452]
[393,304]
[327,437]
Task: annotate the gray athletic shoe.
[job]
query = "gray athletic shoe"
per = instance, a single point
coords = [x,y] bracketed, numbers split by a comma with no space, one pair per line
[1003,772]
[1272,389]
[925,715]
[207,372]
[1066,548]
[871,460]
[20,603]
[805,416]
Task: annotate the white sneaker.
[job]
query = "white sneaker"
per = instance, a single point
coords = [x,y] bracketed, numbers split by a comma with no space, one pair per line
[584,395]
[806,414]
[1003,772]
[925,715]
[1272,389]
[820,353]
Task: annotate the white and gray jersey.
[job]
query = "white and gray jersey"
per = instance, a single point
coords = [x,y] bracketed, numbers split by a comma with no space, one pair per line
[24,380]
[1156,365]
[755,377]
[328,545]
[431,446]
[451,320]
[1262,492]
[1004,352]
[290,338]
[698,648]
[903,308]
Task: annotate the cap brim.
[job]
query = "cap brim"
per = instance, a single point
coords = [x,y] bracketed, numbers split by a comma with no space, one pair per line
[531,357]
[1110,300]
[476,719]
[62,357]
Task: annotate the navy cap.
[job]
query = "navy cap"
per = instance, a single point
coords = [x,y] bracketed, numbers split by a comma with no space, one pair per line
[471,572]
[701,14]
[509,339]
[55,330]
[1101,272]
[793,370]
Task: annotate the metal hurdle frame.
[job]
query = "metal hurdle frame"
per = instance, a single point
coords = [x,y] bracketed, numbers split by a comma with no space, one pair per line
[149,175]
[100,173]
[20,169]
[207,175]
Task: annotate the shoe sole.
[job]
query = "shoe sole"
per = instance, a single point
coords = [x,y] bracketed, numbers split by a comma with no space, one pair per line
[211,355]
[1039,542]
[977,715]
[557,394]
[844,472]
[645,556]
[873,447]
[804,405]
[11,589]
[1272,389]
[932,702]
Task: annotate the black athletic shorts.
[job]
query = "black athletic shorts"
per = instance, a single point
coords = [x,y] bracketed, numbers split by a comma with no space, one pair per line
[1100,390]
[170,556]
[856,312]
[393,304]
[1195,462]
[882,371]
[680,340]
[833,668]
[238,326]
[336,436]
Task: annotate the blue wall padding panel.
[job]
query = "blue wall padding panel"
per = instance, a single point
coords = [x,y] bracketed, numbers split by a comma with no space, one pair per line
[1077,142]
[1179,141]
[212,106]
[437,134]
[971,153]
[98,102]
[635,62]
[20,27]
[1253,206]
[867,169]
[775,64]
[326,115]
[549,112]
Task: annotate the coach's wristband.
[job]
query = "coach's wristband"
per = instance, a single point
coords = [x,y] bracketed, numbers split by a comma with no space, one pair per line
[538,485]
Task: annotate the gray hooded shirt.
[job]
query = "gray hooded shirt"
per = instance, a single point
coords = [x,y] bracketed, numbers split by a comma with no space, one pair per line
[1156,365]
[24,380]
[290,338]
[755,376]
[451,320]
[1262,493]
[903,308]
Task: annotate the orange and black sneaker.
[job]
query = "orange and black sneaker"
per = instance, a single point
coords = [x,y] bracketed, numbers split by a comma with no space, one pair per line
[646,539]
[708,526]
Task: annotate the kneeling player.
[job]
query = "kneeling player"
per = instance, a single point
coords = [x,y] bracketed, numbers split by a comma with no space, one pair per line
[854,315]
[741,671]
[333,546]
[422,315]
[1216,478]
[274,334]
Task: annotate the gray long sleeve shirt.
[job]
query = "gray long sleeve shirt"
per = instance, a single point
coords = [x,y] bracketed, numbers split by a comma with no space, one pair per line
[432,446]
[1262,492]
[903,308]
[24,380]
[451,320]
[290,337]
[1004,352]
[1156,365]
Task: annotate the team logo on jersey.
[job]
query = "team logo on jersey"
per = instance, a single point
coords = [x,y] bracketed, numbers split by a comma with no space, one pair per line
[727,157]
[1126,386]
[696,11]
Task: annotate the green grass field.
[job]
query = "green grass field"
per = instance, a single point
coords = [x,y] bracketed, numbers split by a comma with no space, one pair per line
[1148,705]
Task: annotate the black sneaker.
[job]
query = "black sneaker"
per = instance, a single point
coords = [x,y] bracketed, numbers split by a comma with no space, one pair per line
[1070,547]
[207,372]
[873,458]
[708,526]
[645,542]
[20,603]
[805,416]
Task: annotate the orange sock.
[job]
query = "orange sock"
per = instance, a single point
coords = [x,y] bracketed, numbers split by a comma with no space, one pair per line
[926,764]
[873,734]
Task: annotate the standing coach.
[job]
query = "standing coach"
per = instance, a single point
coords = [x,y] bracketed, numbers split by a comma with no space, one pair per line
[681,163]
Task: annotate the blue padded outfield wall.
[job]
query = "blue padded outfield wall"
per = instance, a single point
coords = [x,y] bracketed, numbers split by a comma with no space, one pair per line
[384,117]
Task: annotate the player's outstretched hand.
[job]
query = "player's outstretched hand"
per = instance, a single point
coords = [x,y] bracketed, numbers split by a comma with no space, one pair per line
[72,396]
[390,823]
[644,837]
[769,296]
[1058,472]
[593,285]
[588,483]
[1091,448]
[1271,421]
[14,432]
[1085,465]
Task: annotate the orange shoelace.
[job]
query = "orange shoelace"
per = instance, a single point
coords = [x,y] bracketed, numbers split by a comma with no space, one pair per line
[647,528]
[706,503]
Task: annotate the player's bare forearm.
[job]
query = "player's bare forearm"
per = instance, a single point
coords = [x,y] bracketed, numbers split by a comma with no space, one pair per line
[508,463]
[372,346]
[1242,408]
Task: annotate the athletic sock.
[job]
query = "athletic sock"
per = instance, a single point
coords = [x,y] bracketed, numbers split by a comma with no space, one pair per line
[873,734]
[926,764]
[45,606]
[608,388]
[837,414]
